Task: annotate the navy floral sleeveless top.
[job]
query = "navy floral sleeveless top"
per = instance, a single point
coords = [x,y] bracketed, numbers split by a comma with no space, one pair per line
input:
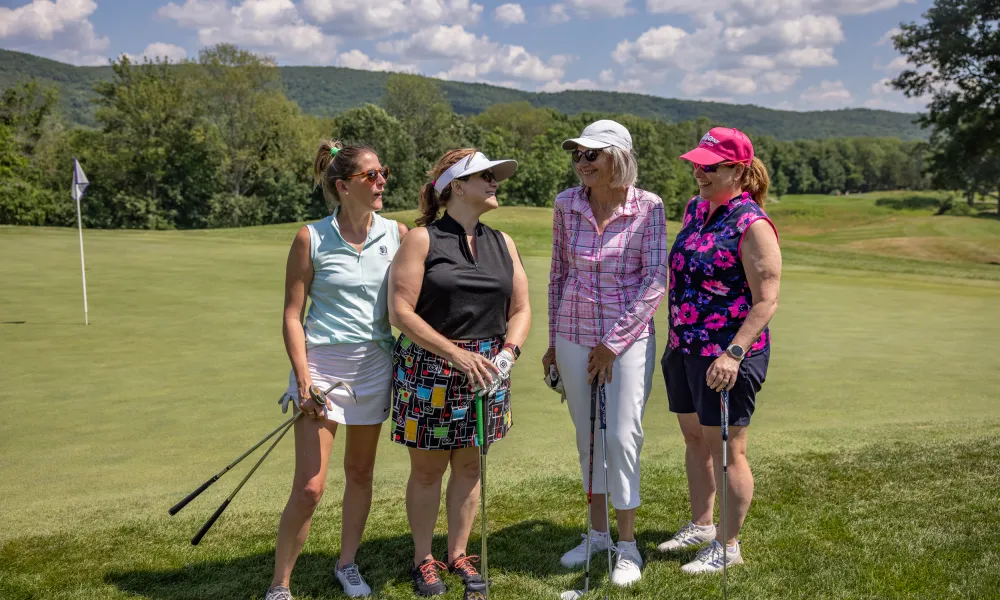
[708,295]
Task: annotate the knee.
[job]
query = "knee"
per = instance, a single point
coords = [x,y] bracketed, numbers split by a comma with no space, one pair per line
[359,473]
[426,476]
[466,470]
[308,495]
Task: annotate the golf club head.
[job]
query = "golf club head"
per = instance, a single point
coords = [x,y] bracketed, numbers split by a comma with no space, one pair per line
[571,595]
[319,396]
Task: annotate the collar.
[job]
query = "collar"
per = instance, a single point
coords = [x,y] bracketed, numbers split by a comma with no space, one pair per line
[449,225]
[581,202]
[375,232]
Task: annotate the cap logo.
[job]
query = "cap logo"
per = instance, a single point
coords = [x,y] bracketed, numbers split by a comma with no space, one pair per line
[708,139]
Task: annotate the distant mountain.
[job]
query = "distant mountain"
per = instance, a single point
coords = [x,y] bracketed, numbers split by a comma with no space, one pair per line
[327,91]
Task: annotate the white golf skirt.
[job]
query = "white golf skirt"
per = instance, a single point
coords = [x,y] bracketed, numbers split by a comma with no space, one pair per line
[365,367]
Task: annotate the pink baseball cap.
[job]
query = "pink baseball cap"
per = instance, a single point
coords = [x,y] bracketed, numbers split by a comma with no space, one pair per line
[722,144]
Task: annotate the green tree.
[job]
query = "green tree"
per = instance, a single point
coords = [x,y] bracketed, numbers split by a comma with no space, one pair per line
[954,55]
[371,125]
[423,110]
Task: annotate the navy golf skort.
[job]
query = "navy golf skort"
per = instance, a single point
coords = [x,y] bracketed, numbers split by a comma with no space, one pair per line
[687,391]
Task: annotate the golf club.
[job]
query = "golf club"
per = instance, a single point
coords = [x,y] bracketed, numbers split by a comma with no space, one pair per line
[470,591]
[177,507]
[575,594]
[318,396]
[607,501]
[722,517]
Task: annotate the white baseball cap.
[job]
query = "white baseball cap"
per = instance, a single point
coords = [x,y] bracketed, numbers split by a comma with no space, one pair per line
[475,163]
[601,134]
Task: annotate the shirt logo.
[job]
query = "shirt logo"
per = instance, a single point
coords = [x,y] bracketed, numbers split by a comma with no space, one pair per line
[708,139]
[383,250]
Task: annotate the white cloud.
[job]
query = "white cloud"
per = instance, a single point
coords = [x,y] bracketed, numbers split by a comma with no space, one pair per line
[161,50]
[274,26]
[588,9]
[883,96]
[557,13]
[60,29]
[828,94]
[607,77]
[753,11]
[371,19]
[886,39]
[509,14]
[473,57]
[356,59]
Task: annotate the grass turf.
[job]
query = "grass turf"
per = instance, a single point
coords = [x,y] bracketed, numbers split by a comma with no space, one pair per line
[872,446]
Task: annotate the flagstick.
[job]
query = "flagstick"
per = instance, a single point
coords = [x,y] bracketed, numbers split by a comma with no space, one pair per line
[83,267]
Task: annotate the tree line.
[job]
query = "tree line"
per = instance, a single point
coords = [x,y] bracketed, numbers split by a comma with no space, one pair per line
[215,142]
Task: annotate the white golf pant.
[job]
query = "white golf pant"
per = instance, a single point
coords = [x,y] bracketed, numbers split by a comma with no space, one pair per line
[625,400]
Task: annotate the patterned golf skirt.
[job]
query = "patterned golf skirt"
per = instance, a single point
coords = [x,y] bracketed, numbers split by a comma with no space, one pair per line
[433,407]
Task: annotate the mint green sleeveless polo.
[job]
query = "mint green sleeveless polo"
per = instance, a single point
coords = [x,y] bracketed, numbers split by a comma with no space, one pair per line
[349,291]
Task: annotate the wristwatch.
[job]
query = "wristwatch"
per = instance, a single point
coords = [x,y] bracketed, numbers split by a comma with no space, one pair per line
[735,351]
[514,349]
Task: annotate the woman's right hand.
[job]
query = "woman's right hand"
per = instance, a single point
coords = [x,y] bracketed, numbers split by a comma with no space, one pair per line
[549,358]
[306,404]
[477,368]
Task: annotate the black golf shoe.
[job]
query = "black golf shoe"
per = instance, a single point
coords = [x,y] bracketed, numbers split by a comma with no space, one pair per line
[462,566]
[426,578]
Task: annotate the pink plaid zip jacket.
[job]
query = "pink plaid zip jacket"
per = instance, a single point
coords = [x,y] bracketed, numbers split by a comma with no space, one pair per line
[605,287]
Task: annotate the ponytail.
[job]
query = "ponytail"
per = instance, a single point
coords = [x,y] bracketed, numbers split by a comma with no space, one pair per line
[335,160]
[755,181]
[430,201]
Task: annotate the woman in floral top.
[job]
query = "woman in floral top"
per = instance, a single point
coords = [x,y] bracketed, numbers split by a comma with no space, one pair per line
[725,271]
[608,277]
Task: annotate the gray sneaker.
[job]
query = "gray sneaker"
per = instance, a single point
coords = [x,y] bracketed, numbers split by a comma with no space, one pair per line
[354,584]
[278,592]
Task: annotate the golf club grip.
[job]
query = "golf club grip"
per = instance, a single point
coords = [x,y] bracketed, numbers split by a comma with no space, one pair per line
[480,425]
[208,524]
[177,507]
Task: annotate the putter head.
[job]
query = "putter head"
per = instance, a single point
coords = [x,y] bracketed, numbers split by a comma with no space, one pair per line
[571,595]
[475,590]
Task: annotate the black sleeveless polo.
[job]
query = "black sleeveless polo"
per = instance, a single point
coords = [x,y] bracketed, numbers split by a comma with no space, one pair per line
[464,298]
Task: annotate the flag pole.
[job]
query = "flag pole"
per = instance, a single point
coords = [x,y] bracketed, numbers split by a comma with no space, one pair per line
[83,265]
[80,184]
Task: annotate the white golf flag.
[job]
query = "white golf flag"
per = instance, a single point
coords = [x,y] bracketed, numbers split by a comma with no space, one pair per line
[80,182]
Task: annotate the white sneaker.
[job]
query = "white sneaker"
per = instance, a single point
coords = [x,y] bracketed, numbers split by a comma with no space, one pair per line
[690,536]
[354,584]
[709,559]
[577,556]
[278,593]
[628,566]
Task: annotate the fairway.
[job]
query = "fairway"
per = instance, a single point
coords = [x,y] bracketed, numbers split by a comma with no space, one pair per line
[874,445]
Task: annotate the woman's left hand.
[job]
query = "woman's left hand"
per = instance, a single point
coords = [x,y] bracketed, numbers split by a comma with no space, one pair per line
[722,373]
[600,362]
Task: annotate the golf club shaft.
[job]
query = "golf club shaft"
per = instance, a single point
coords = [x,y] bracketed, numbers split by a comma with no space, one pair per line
[607,489]
[177,507]
[481,432]
[590,480]
[211,521]
[725,485]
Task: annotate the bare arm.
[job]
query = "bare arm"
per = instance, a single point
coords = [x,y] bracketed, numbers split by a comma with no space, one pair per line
[402,229]
[762,263]
[519,314]
[406,278]
[298,279]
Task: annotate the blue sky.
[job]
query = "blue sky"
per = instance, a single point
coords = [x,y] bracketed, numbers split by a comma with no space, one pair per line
[789,54]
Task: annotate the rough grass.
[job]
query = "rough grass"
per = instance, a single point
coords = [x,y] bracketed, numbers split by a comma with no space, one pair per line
[873,444]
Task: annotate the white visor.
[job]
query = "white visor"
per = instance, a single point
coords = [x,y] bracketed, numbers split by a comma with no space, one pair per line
[475,163]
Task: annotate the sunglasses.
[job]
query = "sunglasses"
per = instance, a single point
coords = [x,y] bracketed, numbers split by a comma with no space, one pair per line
[487,176]
[591,155]
[715,167]
[371,174]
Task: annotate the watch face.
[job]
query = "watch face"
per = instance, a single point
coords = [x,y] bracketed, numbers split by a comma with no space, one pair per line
[736,351]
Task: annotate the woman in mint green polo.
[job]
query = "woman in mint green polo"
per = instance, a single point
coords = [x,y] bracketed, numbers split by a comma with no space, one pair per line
[341,265]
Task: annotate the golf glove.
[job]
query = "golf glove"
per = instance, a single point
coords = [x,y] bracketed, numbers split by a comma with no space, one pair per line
[554,381]
[504,362]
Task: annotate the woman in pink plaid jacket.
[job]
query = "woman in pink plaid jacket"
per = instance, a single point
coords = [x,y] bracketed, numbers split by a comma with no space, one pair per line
[609,275]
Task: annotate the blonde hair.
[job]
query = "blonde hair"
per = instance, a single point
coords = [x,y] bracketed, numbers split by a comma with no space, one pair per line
[430,201]
[329,166]
[755,180]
